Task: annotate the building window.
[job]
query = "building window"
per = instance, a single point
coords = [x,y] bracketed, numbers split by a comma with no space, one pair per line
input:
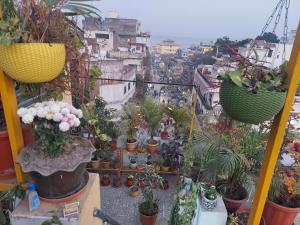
[103,36]
[128,86]
[125,90]
[270,52]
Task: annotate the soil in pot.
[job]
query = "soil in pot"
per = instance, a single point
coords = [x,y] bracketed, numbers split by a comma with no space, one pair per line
[276,214]
[7,170]
[147,219]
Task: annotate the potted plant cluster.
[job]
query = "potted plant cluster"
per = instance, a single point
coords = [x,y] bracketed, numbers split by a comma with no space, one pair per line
[284,196]
[56,152]
[253,94]
[152,113]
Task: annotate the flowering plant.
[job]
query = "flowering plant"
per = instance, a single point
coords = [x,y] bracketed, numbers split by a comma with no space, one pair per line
[286,182]
[52,122]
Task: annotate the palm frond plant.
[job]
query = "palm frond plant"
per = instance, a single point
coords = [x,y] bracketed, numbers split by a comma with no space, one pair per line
[182,117]
[131,121]
[152,113]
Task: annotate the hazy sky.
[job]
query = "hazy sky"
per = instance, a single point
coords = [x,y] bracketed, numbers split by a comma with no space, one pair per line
[200,18]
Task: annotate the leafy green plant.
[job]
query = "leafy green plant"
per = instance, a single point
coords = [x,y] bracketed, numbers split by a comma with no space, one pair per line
[53,221]
[256,78]
[105,152]
[232,220]
[150,205]
[152,113]
[7,203]
[29,21]
[130,118]
[182,118]
[170,154]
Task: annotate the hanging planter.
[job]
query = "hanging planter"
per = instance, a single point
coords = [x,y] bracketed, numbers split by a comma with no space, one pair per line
[248,107]
[32,62]
[252,94]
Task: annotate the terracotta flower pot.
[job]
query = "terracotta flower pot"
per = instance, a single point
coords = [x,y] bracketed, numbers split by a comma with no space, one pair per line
[148,220]
[141,184]
[131,146]
[276,214]
[7,170]
[106,165]
[164,135]
[152,147]
[129,183]
[247,211]
[113,145]
[105,181]
[157,168]
[118,165]
[95,164]
[134,191]
[165,168]
[232,205]
[117,182]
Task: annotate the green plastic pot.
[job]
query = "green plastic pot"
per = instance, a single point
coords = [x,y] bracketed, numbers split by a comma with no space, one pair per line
[247,107]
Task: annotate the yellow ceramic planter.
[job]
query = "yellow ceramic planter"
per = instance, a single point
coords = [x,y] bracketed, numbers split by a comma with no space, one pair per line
[32,62]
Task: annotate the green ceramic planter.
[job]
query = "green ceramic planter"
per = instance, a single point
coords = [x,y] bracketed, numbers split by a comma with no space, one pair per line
[247,107]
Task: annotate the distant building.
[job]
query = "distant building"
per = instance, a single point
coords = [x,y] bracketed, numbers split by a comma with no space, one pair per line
[167,47]
[206,88]
[115,93]
[143,38]
[270,53]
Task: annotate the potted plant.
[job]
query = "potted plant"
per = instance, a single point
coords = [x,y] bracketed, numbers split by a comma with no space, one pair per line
[56,153]
[134,191]
[130,118]
[152,114]
[36,32]
[209,196]
[284,196]
[96,159]
[7,170]
[141,183]
[149,208]
[105,155]
[117,163]
[181,117]
[117,182]
[253,94]
[243,215]
[165,184]
[170,154]
[133,161]
[105,181]
[130,181]
[166,165]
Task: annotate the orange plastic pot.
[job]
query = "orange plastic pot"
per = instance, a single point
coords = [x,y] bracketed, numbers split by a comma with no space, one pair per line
[7,170]
[276,214]
[148,220]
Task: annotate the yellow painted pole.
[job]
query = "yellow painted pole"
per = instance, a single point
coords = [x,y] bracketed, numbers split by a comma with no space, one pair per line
[276,136]
[193,117]
[10,107]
